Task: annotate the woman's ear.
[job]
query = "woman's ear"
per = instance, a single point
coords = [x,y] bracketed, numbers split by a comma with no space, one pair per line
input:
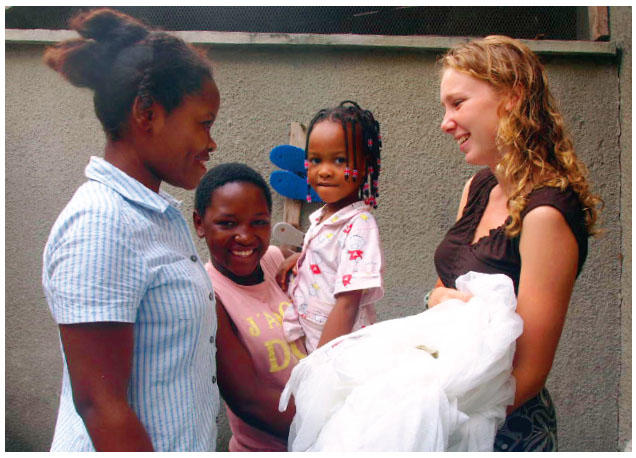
[144,113]
[512,99]
[198,224]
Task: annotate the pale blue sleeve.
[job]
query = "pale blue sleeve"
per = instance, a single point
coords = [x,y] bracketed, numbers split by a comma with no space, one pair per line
[92,271]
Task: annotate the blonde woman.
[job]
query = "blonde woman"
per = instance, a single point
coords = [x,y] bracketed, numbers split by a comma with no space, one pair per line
[528,213]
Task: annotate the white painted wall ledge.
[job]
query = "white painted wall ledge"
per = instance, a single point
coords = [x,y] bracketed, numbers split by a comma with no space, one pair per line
[413,42]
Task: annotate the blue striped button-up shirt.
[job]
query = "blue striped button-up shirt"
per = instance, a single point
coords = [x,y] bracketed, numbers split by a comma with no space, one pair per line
[121,252]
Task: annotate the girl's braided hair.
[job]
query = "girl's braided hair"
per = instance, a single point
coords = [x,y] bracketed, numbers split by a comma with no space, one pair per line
[120,59]
[354,119]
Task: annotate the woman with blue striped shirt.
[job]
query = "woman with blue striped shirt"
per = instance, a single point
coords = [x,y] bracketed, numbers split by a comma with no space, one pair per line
[133,302]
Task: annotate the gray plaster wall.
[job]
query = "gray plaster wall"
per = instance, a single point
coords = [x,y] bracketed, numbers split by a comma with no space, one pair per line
[51,132]
[621,23]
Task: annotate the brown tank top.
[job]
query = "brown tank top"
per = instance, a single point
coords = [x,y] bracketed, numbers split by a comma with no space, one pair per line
[496,252]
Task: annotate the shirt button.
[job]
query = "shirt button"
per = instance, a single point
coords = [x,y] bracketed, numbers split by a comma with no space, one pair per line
[193,258]
[214,379]
[211,339]
[211,296]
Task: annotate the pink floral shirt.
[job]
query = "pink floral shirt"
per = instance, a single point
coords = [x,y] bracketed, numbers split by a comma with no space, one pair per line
[342,253]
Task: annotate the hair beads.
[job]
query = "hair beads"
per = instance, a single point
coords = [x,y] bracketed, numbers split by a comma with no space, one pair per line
[350,115]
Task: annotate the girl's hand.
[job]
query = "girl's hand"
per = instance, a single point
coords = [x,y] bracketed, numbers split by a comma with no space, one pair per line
[441,294]
[287,267]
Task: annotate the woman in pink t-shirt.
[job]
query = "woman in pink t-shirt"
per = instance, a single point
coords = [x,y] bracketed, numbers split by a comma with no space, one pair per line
[232,212]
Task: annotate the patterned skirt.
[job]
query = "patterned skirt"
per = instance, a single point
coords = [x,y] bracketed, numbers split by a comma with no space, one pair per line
[530,428]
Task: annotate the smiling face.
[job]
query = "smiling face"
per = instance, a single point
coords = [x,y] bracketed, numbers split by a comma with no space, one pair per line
[327,156]
[471,116]
[181,141]
[237,229]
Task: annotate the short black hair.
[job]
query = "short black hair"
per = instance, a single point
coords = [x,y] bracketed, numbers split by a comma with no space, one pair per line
[227,173]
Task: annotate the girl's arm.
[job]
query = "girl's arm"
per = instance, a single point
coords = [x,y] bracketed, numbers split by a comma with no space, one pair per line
[341,318]
[252,399]
[549,259]
[99,360]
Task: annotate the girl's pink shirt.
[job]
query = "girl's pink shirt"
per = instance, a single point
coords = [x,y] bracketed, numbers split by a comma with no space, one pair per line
[342,253]
[257,312]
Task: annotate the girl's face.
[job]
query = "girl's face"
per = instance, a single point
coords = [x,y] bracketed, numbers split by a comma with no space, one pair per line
[327,158]
[181,141]
[237,229]
[471,116]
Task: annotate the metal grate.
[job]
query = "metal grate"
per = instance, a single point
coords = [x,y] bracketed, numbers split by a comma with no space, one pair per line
[557,23]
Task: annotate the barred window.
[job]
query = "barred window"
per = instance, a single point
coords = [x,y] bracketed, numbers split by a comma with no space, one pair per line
[540,22]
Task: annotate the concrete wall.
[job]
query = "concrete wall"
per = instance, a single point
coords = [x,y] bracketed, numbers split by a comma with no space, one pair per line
[51,132]
[621,27]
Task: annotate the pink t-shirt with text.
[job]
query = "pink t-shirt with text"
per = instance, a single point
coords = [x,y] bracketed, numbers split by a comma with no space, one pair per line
[257,312]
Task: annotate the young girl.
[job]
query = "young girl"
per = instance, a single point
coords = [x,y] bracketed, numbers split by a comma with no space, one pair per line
[339,271]
[133,302]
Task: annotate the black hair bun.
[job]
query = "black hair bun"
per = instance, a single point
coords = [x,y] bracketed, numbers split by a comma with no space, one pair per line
[111,27]
[105,33]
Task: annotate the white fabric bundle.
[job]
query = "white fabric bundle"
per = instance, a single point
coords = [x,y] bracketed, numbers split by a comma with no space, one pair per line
[436,381]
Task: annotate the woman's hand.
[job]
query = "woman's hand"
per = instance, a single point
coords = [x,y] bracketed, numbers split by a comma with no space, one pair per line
[287,267]
[441,294]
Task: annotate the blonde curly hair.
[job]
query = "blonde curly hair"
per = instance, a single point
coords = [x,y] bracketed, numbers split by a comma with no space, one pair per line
[537,151]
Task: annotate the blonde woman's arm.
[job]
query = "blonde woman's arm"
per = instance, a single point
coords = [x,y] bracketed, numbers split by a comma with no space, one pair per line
[549,260]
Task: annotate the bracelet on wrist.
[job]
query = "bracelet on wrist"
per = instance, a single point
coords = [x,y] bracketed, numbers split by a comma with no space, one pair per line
[427,297]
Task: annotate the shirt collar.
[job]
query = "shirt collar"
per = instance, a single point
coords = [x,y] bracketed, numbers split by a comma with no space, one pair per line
[341,215]
[98,169]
